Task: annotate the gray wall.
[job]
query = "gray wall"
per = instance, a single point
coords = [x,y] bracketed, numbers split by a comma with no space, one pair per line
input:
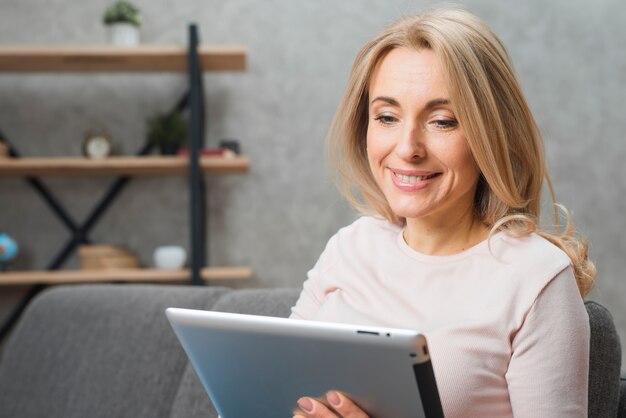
[569,56]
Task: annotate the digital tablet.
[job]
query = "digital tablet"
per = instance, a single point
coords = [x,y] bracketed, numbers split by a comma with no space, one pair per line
[257,366]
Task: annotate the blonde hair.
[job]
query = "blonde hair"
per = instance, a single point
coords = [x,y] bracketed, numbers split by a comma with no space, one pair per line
[492,111]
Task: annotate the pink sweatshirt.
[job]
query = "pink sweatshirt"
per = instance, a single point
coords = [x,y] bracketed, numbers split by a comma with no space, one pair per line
[507,328]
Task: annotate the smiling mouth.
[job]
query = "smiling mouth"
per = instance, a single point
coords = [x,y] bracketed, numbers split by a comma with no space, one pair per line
[414,179]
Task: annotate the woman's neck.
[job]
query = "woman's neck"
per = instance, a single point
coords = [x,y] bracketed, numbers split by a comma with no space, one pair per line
[445,235]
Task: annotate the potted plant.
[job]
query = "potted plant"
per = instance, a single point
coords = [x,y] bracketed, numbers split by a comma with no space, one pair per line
[168,131]
[123,20]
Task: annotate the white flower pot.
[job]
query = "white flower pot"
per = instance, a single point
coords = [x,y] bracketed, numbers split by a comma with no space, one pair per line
[124,34]
[170,257]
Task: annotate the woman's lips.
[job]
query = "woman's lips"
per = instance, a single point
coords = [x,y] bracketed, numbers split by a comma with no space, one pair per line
[409,180]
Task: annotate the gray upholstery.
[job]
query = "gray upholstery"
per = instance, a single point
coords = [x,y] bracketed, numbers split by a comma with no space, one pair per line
[97,351]
[269,302]
[604,364]
[107,351]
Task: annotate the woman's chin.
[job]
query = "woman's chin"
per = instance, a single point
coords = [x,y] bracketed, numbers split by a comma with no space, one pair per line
[409,213]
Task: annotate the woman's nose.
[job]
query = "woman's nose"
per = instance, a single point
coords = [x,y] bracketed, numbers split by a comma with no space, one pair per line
[410,145]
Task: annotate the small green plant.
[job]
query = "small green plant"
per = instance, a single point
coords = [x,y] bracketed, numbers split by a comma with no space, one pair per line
[122,11]
[168,131]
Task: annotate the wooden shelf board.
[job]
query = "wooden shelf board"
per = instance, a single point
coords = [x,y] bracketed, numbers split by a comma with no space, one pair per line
[132,166]
[96,58]
[122,275]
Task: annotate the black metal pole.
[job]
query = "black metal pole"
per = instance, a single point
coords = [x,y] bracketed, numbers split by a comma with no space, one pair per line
[196,142]
[54,204]
[43,191]
[112,193]
[182,103]
[79,235]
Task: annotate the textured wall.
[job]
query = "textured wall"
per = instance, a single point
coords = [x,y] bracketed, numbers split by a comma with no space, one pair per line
[569,56]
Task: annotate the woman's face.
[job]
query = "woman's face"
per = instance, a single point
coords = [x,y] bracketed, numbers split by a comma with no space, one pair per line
[416,149]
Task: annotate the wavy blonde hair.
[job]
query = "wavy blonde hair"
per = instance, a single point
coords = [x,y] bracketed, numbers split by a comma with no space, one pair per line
[492,111]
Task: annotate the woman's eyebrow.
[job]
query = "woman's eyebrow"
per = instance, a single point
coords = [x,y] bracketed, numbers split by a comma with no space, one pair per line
[386,99]
[394,102]
[437,102]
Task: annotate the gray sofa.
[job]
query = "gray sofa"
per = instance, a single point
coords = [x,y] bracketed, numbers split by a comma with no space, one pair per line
[108,351]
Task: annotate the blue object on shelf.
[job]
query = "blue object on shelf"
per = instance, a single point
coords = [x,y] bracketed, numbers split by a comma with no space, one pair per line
[8,248]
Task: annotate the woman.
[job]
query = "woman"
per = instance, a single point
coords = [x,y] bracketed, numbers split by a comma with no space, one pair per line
[435,144]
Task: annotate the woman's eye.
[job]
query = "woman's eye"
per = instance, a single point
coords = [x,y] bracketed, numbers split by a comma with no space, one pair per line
[385,119]
[445,124]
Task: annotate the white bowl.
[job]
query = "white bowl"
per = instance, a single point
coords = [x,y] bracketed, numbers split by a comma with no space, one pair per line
[170,257]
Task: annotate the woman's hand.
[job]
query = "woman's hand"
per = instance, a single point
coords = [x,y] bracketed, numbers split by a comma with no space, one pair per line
[339,406]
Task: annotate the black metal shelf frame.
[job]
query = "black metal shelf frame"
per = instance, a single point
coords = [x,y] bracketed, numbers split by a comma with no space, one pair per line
[193,99]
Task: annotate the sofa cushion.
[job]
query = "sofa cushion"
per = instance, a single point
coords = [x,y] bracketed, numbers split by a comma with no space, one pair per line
[97,351]
[604,362]
[267,302]
[192,400]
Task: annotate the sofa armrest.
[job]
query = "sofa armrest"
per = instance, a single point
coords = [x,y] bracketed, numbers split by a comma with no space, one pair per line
[621,413]
[604,362]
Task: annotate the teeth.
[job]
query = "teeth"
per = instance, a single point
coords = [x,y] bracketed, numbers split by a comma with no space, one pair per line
[412,179]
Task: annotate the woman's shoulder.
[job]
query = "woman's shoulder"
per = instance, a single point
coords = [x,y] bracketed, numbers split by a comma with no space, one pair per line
[530,247]
[528,263]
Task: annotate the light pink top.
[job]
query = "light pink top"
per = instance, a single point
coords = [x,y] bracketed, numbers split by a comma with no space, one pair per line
[507,328]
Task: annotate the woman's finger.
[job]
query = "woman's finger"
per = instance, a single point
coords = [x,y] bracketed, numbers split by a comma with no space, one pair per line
[344,406]
[315,409]
[339,406]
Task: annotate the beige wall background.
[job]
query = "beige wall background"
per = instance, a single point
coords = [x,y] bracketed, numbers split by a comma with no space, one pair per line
[569,56]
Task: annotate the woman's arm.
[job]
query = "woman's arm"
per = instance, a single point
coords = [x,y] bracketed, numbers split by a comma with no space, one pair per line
[548,372]
[310,298]
[313,294]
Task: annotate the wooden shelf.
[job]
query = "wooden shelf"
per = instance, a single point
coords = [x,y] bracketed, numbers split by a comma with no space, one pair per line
[96,58]
[132,166]
[122,275]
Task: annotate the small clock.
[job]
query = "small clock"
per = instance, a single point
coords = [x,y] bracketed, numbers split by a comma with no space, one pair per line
[97,146]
